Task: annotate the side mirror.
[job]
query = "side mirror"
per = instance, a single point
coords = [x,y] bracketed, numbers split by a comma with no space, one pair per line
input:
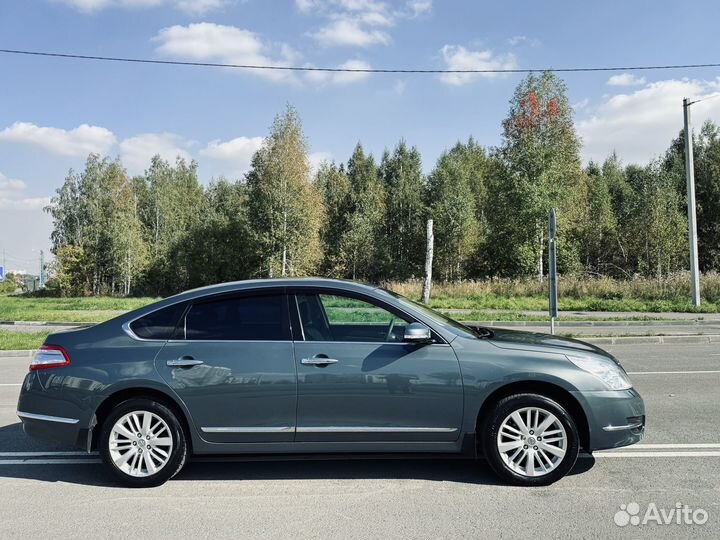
[417,333]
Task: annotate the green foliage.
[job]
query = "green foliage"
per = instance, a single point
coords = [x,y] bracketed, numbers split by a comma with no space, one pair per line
[284,206]
[403,249]
[456,196]
[163,232]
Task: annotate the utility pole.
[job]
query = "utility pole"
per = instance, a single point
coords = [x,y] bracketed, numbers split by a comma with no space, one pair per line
[692,220]
[42,269]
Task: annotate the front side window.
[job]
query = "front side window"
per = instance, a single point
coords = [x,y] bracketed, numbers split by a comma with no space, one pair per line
[245,318]
[330,317]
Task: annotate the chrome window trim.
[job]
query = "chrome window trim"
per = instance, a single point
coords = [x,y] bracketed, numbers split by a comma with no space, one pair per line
[271,429]
[372,429]
[47,418]
[622,428]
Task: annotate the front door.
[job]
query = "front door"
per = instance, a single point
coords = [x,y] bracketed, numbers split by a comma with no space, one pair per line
[232,364]
[358,381]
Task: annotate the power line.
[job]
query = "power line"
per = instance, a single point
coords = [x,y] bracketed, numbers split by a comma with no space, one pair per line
[352,70]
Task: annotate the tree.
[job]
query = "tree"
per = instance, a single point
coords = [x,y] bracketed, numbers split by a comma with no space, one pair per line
[335,190]
[707,188]
[658,227]
[454,204]
[361,242]
[599,229]
[540,169]
[284,206]
[405,213]
[222,239]
[171,208]
[96,212]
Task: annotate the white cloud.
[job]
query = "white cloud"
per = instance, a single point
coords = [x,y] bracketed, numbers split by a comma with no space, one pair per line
[136,152]
[399,87]
[318,158]
[458,57]
[356,23]
[419,7]
[80,141]
[236,153]
[580,105]
[625,79]
[640,125]
[225,44]
[12,196]
[193,7]
[347,31]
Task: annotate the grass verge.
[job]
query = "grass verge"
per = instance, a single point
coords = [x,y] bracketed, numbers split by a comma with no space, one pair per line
[15,341]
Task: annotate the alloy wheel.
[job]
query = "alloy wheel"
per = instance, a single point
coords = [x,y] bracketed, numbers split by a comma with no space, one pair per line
[532,441]
[140,443]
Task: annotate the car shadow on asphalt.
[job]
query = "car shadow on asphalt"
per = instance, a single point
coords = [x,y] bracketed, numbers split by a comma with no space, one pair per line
[207,468]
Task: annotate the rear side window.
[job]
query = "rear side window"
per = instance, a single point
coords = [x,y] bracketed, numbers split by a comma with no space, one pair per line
[247,318]
[159,324]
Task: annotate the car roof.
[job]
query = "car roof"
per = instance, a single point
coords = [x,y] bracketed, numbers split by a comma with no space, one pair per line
[274,282]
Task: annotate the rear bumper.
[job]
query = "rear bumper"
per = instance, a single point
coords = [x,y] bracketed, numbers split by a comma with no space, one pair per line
[615,418]
[54,428]
[46,414]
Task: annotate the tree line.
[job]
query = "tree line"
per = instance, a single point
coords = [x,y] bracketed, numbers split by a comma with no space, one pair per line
[364,219]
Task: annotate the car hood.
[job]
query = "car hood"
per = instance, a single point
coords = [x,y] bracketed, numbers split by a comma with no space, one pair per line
[536,341]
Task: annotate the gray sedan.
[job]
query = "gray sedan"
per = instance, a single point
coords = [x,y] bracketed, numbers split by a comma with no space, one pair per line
[315,366]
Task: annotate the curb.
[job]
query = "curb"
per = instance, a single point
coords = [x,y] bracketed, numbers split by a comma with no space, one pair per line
[633,340]
[17,354]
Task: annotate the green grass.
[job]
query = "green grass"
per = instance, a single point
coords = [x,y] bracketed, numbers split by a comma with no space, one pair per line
[10,340]
[95,309]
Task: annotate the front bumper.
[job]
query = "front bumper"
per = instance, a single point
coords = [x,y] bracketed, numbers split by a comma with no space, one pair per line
[615,418]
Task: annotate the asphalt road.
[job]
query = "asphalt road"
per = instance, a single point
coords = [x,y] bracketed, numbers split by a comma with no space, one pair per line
[62,496]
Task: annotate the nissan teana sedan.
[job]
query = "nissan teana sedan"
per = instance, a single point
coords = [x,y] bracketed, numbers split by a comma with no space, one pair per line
[316,366]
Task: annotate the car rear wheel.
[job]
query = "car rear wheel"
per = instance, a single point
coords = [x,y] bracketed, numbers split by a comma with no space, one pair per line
[530,440]
[143,443]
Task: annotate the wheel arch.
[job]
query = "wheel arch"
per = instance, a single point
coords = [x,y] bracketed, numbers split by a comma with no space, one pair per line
[124,394]
[550,390]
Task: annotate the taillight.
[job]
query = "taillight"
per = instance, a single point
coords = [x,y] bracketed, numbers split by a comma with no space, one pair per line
[49,356]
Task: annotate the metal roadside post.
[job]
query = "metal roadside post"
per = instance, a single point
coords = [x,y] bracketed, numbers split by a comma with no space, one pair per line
[552,269]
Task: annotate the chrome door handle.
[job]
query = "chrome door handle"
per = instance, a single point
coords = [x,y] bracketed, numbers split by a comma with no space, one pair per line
[184,362]
[315,361]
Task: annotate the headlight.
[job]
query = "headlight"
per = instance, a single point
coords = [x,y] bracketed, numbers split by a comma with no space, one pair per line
[612,375]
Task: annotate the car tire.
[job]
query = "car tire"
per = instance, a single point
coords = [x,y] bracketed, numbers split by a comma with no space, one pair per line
[129,453]
[519,454]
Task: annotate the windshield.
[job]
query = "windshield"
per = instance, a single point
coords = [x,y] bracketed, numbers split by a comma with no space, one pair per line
[446,322]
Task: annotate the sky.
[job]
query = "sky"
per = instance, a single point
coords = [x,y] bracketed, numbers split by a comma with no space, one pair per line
[53,112]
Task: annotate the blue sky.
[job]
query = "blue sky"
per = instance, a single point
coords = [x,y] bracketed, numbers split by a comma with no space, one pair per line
[53,112]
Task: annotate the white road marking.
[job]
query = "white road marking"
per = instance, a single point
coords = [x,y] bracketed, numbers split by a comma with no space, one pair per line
[44,454]
[615,454]
[48,461]
[671,372]
[10,384]
[672,445]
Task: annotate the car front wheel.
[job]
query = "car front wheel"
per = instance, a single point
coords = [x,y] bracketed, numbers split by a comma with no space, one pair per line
[530,440]
[143,443]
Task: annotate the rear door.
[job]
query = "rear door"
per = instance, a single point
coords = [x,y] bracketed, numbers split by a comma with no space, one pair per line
[231,362]
[358,381]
